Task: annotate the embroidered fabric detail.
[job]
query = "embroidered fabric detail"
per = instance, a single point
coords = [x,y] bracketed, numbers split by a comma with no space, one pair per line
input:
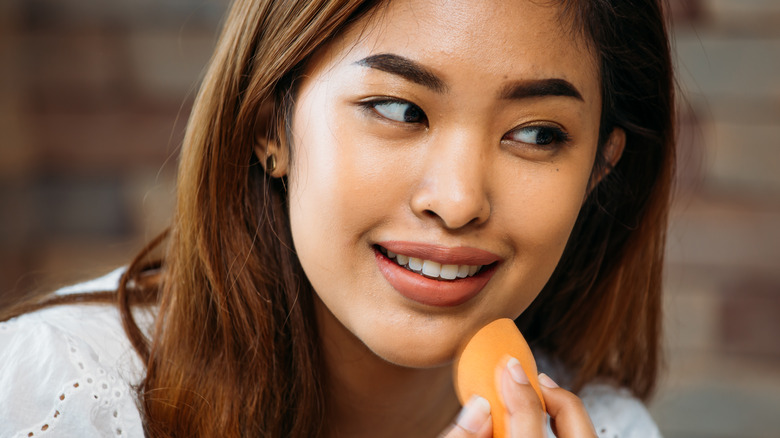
[69,371]
[94,401]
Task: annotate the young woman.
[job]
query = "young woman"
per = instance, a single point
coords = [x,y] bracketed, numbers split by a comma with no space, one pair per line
[362,186]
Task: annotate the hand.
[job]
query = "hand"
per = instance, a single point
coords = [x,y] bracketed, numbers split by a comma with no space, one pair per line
[525,417]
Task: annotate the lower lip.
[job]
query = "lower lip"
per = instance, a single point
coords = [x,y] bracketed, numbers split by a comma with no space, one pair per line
[428,291]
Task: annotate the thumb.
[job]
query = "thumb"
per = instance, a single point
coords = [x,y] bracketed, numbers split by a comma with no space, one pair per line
[473,421]
[567,412]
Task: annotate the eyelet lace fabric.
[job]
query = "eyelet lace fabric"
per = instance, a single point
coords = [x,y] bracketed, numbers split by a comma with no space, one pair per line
[69,371]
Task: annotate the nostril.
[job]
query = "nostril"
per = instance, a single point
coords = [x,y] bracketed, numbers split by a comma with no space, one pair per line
[454,209]
[452,223]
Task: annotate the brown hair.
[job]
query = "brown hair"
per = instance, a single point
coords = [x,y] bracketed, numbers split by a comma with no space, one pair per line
[235,352]
[600,312]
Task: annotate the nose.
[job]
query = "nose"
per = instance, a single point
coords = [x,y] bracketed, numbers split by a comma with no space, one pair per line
[453,188]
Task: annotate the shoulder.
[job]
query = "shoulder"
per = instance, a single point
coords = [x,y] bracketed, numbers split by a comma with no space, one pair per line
[616,413]
[69,371]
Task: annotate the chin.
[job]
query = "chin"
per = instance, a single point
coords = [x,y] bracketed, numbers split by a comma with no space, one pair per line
[408,355]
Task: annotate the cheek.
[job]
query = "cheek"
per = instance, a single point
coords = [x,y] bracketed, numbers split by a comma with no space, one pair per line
[312,177]
[540,209]
[336,186]
[551,211]
[339,190]
[343,181]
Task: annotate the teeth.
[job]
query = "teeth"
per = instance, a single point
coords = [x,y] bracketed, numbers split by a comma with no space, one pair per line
[433,269]
[449,272]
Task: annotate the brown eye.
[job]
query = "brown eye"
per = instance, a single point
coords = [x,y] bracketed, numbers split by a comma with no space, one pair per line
[399,111]
[538,135]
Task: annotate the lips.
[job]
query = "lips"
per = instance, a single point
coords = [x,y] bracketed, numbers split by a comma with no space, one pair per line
[435,275]
[430,268]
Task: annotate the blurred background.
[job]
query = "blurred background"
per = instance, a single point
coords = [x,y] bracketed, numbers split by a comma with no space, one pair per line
[94,97]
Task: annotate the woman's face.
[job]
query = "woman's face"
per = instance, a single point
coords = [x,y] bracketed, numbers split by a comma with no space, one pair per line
[459,135]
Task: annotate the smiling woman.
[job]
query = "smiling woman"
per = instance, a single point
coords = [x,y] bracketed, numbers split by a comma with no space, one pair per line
[362,187]
[419,149]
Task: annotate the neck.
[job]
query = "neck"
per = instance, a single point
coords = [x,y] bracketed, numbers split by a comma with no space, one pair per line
[368,396]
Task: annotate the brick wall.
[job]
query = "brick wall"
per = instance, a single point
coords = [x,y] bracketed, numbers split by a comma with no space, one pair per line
[94,97]
[723,276]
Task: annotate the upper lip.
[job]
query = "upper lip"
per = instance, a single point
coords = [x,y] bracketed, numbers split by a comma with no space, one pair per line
[461,255]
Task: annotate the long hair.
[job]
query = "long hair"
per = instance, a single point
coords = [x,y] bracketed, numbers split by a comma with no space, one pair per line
[600,312]
[235,351]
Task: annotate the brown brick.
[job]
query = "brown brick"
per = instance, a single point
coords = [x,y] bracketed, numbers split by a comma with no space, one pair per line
[750,317]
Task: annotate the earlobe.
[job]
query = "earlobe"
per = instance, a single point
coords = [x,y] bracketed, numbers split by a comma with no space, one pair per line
[270,151]
[272,156]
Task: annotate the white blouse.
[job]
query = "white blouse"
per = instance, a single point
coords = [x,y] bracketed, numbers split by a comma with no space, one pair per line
[69,371]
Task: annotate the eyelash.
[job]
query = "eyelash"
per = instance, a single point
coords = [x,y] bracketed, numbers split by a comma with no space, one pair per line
[371,106]
[558,136]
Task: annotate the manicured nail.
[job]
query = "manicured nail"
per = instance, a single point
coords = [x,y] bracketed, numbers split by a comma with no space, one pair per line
[545,380]
[516,371]
[474,414]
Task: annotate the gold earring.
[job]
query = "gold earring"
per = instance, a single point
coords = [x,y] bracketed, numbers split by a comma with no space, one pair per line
[270,163]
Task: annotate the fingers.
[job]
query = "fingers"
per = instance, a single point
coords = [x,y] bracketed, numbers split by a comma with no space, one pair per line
[524,414]
[567,413]
[525,417]
[473,421]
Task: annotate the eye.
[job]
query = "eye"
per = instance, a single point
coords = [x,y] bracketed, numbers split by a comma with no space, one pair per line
[398,111]
[538,135]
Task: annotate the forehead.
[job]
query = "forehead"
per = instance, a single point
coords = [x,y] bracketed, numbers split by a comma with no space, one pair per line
[489,40]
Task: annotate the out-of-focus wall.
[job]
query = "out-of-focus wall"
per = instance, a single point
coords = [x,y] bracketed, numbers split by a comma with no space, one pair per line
[723,275]
[94,97]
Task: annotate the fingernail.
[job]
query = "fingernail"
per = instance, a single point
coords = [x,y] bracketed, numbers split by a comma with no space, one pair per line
[516,371]
[474,414]
[545,380]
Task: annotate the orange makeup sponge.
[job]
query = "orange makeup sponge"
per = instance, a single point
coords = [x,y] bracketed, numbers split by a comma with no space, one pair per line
[488,350]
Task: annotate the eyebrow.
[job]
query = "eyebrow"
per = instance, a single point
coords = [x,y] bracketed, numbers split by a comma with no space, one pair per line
[406,68]
[539,88]
[419,74]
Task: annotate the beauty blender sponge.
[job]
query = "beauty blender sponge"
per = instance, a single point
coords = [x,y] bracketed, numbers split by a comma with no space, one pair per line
[475,367]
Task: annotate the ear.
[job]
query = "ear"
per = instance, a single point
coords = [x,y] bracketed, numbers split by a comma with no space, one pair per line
[273,156]
[611,153]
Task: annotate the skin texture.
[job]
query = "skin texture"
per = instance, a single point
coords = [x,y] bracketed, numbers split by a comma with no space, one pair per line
[459,177]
